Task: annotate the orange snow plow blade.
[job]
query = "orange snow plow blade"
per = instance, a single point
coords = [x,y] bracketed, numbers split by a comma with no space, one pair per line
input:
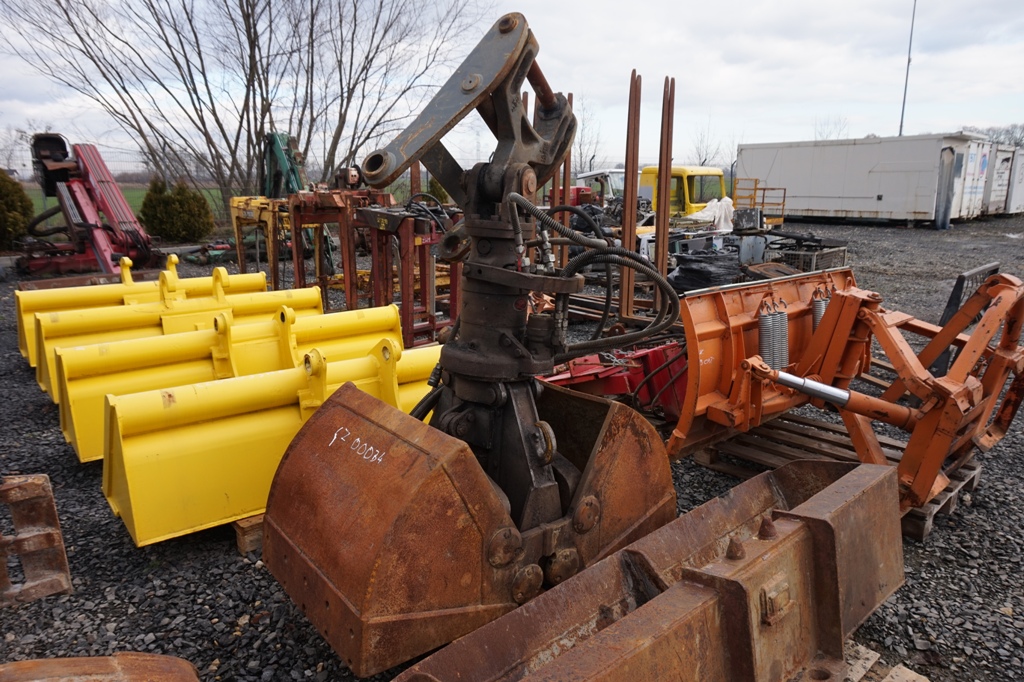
[393,540]
[763,349]
[762,584]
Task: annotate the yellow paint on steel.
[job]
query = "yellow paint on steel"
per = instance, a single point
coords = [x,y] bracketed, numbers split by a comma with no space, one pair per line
[128,292]
[183,459]
[173,314]
[83,375]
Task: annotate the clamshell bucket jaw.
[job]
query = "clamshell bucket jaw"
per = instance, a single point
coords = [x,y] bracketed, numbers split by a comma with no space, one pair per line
[393,541]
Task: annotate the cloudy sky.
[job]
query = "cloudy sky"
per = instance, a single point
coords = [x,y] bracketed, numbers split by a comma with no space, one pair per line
[746,71]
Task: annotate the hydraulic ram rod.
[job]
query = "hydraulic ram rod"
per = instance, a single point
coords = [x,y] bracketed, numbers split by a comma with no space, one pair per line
[860,403]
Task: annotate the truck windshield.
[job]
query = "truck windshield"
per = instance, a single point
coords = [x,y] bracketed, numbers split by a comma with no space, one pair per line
[704,188]
[616,183]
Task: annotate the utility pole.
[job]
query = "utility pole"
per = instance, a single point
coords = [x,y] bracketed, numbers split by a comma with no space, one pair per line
[906,80]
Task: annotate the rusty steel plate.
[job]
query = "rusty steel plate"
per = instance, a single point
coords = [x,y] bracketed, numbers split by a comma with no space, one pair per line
[762,584]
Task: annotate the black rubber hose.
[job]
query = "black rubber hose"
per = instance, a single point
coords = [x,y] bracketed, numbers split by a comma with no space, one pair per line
[671,380]
[600,253]
[427,403]
[635,261]
[665,319]
[626,258]
[650,375]
[428,196]
[549,222]
[42,218]
[576,210]
[588,220]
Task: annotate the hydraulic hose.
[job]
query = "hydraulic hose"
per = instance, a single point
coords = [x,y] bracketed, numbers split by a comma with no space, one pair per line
[42,218]
[549,222]
[588,220]
[599,252]
[667,315]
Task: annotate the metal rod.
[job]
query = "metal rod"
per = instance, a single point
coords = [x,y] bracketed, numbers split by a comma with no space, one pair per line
[906,80]
[545,96]
[626,275]
[815,389]
[563,251]
[661,223]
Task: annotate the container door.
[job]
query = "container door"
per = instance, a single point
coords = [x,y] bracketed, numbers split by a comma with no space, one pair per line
[946,187]
[1015,191]
[998,182]
[974,181]
[959,164]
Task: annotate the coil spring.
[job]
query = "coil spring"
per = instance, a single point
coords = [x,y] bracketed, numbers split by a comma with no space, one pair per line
[780,339]
[818,306]
[766,335]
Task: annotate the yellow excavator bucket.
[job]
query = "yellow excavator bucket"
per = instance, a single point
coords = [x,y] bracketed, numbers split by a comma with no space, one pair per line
[178,460]
[173,314]
[128,292]
[84,375]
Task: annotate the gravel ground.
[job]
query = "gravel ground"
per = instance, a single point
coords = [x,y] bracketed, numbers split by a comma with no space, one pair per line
[960,615]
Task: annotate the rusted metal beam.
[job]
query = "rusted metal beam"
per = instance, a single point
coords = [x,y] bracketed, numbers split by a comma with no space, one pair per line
[764,583]
[627,276]
[668,106]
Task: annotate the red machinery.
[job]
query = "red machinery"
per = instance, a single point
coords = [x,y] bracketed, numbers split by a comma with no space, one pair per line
[383,224]
[654,377]
[99,224]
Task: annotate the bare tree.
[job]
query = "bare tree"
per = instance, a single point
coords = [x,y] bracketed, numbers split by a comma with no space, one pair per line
[14,141]
[588,138]
[10,141]
[833,127]
[1012,134]
[198,83]
[705,149]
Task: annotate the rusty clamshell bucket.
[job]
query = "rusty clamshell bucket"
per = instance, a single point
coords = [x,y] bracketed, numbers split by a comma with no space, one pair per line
[393,541]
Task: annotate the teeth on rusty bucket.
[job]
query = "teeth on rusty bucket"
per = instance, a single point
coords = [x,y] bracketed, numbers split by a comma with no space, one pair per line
[761,584]
[393,541]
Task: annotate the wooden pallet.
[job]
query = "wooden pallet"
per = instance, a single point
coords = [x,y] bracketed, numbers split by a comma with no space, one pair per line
[793,437]
[917,523]
[248,534]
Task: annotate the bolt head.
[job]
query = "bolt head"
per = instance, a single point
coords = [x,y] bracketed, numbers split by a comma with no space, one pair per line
[529,182]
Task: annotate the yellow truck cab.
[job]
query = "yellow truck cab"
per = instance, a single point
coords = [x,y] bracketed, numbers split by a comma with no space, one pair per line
[690,188]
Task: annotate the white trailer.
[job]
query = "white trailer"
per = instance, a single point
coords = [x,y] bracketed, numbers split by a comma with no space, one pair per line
[929,178]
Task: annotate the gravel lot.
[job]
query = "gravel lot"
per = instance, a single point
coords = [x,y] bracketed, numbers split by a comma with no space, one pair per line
[960,615]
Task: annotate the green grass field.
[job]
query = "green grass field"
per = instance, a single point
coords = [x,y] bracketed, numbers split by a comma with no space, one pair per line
[132,194]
